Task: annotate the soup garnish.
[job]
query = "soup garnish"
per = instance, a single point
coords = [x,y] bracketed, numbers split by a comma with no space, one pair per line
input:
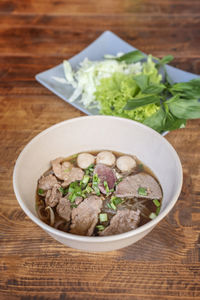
[98,193]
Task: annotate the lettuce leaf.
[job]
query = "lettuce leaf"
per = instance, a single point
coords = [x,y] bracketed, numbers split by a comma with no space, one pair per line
[149,68]
[113,94]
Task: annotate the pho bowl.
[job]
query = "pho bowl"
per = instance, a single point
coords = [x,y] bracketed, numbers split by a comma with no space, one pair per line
[93,133]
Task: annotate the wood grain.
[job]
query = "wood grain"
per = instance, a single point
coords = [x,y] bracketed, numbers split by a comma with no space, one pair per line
[36,35]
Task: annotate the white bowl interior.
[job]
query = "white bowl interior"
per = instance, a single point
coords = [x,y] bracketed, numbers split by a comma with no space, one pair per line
[97,133]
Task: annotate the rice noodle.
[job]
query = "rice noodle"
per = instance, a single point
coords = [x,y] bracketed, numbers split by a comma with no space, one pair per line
[58,223]
[51,215]
[41,213]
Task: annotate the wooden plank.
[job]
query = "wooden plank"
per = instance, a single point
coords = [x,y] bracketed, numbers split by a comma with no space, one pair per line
[53,36]
[79,7]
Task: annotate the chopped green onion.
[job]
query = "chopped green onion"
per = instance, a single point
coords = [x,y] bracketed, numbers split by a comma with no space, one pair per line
[157,210]
[70,190]
[73,158]
[73,205]
[40,192]
[116,200]
[106,187]
[118,181]
[100,227]
[113,206]
[90,167]
[73,186]
[141,167]
[103,217]
[63,191]
[95,182]
[88,189]
[156,202]
[109,206]
[96,190]
[78,191]
[72,197]
[83,194]
[95,178]
[67,170]
[89,170]
[152,216]
[85,180]
[142,191]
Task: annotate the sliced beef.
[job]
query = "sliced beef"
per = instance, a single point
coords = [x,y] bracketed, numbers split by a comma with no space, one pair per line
[107,174]
[47,182]
[73,175]
[64,209]
[53,196]
[125,220]
[85,216]
[128,187]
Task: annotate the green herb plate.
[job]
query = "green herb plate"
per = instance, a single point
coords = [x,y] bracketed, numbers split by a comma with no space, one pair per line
[106,43]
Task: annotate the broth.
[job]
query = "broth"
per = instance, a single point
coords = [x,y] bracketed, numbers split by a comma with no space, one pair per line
[107,196]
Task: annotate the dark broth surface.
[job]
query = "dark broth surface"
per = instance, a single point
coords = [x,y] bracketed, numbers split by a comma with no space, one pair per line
[148,208]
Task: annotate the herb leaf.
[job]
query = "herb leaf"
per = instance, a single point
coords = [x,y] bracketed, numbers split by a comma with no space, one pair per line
[138,102]
[172,122]
[166,59]
[157,120]
[185,109]
[131,57]
[154,89]
[188,90]
[142,81]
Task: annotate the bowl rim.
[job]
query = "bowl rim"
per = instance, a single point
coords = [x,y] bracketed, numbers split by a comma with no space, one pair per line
[97,239]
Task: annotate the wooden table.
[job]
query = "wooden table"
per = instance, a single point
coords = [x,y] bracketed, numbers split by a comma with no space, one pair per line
[34,36]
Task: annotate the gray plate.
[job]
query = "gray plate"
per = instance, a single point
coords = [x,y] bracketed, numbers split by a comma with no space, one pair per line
[107,43]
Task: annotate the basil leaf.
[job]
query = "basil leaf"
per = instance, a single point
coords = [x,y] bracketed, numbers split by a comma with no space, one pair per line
[185,109]
[166,59]
[189,89]
[131,57]
[142,81]
[138,102]
[154,89]
[172,123]
[156,121]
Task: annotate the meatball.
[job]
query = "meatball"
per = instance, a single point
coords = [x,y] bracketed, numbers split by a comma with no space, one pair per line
[126,163]
[106,158]
[84,160]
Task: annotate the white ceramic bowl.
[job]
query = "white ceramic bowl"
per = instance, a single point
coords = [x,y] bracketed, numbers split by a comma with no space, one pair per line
[97,133]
